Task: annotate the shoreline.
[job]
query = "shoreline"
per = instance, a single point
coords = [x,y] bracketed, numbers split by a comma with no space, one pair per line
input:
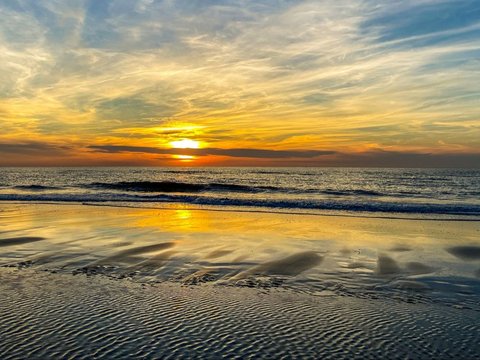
[173,206]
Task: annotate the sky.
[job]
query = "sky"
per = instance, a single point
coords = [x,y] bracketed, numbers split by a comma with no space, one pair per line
[240,83]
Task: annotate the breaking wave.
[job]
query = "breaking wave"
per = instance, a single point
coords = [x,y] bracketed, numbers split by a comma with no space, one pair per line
[178,187]
[311,204]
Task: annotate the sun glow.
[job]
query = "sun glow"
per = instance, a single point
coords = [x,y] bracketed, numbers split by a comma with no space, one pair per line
[185,158]
[185,144]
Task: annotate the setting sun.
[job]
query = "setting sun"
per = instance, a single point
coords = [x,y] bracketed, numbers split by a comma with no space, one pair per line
[185,144]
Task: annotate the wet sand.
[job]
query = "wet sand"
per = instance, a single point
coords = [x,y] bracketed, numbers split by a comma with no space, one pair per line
[59,316]
[91,281]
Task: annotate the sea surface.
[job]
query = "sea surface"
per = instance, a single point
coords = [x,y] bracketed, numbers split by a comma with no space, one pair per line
[381,191]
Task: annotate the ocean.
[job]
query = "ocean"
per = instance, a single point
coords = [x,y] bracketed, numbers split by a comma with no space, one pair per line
[373,190]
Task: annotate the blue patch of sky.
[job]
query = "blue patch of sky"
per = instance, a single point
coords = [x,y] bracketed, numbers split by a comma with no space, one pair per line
[57,30]
[426,19]
[97,33]
[14,5]
[34,23]
[107,22]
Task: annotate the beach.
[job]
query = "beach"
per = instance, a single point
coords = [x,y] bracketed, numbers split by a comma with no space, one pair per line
[232,179]
[83,281]
[60,316]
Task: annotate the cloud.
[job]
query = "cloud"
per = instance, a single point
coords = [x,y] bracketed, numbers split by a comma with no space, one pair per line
[29,153]
[133,110]
[385,158]
[245,153]
[372,158]
[32,148]
[254,75]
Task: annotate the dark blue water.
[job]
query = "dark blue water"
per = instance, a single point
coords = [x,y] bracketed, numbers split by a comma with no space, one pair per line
[408,191]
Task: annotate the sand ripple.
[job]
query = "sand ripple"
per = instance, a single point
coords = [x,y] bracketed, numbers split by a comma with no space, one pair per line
[60,316]
[20,240]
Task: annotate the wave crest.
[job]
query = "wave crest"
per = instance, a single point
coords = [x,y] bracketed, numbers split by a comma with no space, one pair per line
[309,204]
[177,187]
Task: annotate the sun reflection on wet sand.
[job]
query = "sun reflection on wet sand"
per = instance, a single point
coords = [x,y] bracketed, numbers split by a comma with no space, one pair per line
[195,245]
[183,214]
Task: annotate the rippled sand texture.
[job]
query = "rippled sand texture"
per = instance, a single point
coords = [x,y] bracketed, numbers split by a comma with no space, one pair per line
[59,316]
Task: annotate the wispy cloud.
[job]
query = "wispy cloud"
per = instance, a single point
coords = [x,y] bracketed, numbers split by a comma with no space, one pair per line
[349,75]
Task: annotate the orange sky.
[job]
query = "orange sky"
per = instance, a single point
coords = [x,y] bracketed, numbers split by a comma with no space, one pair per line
[268,83]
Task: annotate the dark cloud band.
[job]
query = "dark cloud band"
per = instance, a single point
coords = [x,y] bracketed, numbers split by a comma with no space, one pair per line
[243,153]
[31,148]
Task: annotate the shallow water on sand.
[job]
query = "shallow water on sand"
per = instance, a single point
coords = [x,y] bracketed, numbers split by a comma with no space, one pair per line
[415,261]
